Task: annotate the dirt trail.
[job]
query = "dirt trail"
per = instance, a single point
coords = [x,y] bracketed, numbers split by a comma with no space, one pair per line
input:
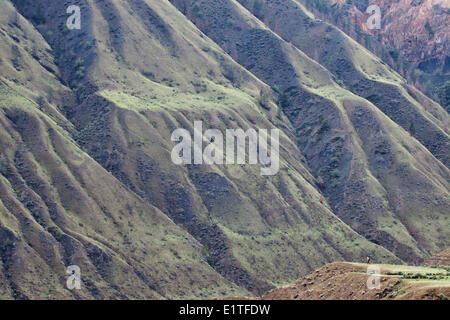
[348,281]
[335,281]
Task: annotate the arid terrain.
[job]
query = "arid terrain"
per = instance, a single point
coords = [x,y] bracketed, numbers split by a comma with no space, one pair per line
[86,171]
[440,259]
[413,37]
[350,281]
[347,281]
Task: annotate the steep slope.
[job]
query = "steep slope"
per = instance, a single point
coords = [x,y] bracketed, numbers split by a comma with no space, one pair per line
[58,207]
[360,72]
[418,29]
[358,153]
[148,71]
[413,39]
[100,137]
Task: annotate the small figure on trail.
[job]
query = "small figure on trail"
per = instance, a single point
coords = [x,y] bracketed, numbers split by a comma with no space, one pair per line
[368,260]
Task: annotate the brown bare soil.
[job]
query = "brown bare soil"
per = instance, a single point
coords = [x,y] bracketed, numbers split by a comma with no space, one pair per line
[348,281]
[440,259]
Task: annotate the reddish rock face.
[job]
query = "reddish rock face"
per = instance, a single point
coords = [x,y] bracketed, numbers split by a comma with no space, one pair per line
[418,28]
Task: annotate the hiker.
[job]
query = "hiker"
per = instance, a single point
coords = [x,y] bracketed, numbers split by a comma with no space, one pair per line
[368,260]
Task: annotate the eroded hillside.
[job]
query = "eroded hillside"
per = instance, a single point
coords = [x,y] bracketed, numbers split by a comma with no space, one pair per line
[413,37]
[341,135]
[86,170]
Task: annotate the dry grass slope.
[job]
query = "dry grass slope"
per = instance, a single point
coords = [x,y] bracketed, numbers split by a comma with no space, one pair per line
[86,176]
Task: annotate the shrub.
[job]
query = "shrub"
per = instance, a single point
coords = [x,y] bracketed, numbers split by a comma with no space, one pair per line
[257,8]
[3,164]
[78,63]
[279,113]
[55,232]
[335,173]
[428,28]
[263,99]
[276,89]
[412,129]
[324,126]
[207,255]
[283,101]
[38,17]
[80,73]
